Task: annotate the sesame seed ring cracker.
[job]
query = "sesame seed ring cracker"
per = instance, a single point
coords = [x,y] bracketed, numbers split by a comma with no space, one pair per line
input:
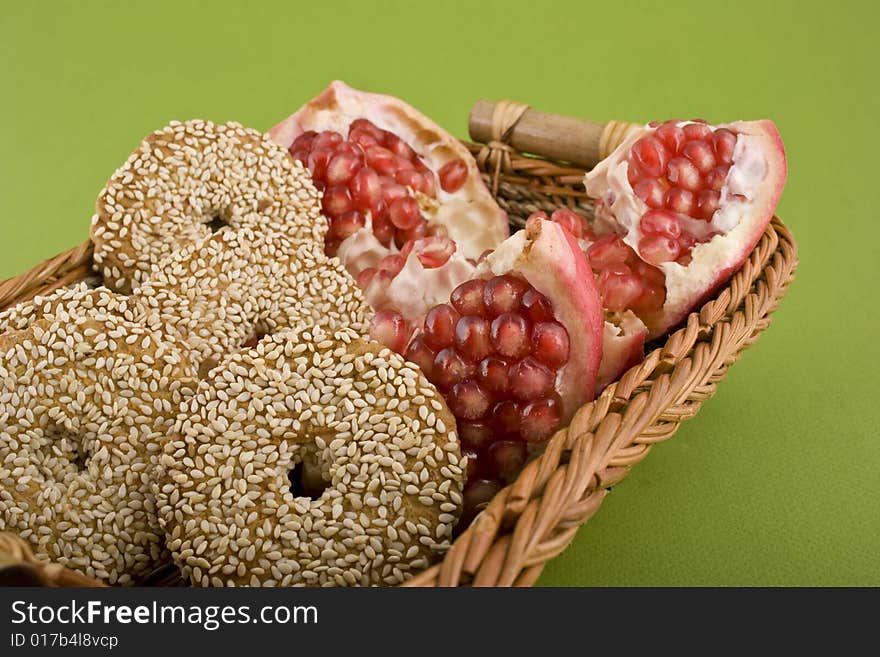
[234,287]
[86,399]
[185,181]
[381,435]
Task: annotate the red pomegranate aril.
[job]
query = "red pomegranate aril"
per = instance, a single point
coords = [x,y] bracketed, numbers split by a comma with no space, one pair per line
[421,354]
[472,337]
[468,401]
[327,140]
[530,379]
[716,177]
[404,213]
[537,307]
[417,232]
[435,251]
[381,160]
[619,291]
[450,367]
[348,224]
[475,435]
[364,278]
[607,251]
[680,200]
[506,418]
[452,176]
[336,202]
[342,169]
[660,222]
[708,202]
[570,219]
[392,264]
[412,179]
[657,249]
[303,142]
[672,137]
[651,191]
[473,463]
[397,146]
[351,148]
[724,142]
[540,419]
[440,323]
[694,131]
[649,157]
[701,154]
[367,126]
[366,190]
[389,328]
[318,161]
[476,496]
[383,229]
[683,173]
[492,374]
[467,298]
[550,343]
[507,458]
[300,156]
[511,335]
[503,294]
[363,139]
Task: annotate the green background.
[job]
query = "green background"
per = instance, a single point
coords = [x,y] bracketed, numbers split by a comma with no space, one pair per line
[776,481]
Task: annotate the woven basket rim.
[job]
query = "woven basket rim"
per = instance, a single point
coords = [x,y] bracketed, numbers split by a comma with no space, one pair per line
[536,517]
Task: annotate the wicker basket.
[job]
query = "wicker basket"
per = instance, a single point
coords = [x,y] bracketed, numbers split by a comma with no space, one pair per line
[536,517]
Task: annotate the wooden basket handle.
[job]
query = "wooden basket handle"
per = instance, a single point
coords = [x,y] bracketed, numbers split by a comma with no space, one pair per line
[552,136]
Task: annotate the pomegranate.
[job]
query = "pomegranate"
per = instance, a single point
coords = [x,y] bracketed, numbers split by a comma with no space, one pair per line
[515,350]
[391,178]
[690,200]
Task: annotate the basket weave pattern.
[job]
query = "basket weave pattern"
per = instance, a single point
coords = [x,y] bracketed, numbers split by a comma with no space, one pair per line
[535,518]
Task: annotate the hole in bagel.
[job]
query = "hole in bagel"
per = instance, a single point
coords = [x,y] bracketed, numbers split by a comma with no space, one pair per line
[306,480]
[216,223]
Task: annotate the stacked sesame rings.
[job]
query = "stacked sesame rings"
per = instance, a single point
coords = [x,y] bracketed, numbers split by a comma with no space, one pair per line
[380,434]
[238,285]
[185,181]
[87,397]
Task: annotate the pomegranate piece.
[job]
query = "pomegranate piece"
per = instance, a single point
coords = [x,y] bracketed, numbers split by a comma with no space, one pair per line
[719,187]
[516,349]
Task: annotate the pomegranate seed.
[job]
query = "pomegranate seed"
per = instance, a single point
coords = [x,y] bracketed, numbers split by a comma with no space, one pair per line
[342,168]
[450,367]
[724,143]
[716,177]
[331,246]
[418,232]
[682,173]
[348,224]
[550,343]
[657,249]
[697,131]
[619,291]
[651,191]
[303,142]
[381,160]
[435,251]
[366,190]
[383,229]
[364,278]
[570,220]
[367,126]
[477,494]
[452,176]
[537,306]
[649,156]
[540,419]
[300,156]
[389,328]
[397,146]
[468,298]
[507,458]
[475,435]
[318,160]
[422,355]
[530,379]
[671,136]
[707,203]
[472,337]
[492,373]
[392,263]
[510,335]
[327,140]
[701,154]
[660,222]
[363,139]
[503,294]
[506,418]
[473,463]
[350,148]
[440,323]
[607,251]
[467,400]
[652,298]
[650,275]
[404,213]
[336,202]
[680,200]
[413,179]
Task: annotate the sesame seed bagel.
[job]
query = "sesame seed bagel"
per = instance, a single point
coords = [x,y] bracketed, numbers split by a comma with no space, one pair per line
[189,178]
[238,285]
[86,399]
[381,435]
